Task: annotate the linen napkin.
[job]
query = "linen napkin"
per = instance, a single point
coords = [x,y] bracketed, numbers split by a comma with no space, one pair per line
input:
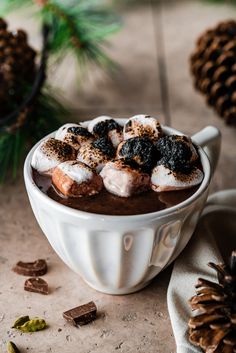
[213,240]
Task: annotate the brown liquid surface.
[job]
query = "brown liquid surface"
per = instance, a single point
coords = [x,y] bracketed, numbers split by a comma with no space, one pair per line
[109,204]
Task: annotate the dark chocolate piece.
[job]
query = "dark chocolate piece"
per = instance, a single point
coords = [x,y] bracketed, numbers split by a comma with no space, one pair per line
[81,315]
[36,285]
[31,269]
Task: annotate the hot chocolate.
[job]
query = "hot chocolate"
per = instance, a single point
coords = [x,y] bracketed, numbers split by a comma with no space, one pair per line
[107,203]
[118,171]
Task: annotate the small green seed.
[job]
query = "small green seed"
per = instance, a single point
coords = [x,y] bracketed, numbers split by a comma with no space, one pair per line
[11,347]
[33,325]
[21,321]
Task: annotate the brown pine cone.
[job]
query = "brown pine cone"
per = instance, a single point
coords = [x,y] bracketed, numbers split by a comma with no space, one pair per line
[214,327]
[17,67]
[213,66]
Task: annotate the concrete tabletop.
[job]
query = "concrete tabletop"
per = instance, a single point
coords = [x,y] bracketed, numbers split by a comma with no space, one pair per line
[153,34]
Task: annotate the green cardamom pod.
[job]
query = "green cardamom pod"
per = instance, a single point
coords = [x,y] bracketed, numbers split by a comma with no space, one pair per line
[33,325]
[11,348]
[21,321]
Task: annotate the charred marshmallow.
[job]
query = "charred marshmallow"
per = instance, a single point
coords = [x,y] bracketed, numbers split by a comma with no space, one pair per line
[142,126]
[163,179]
[97,153]
[74,134]
[120,179]
[106,126]
[75,179]
[50,153]
[176,153]
[139,151]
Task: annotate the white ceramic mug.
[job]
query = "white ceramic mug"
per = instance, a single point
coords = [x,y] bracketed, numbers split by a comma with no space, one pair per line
[122,254]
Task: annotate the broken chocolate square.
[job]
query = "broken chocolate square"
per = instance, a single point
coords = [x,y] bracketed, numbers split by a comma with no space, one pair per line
[32,269]
[81,315]
[36,285]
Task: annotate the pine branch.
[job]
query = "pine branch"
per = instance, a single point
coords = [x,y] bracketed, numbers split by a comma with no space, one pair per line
[80,26]
[46,117]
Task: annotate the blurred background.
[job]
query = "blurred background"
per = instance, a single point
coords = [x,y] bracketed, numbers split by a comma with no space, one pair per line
[151,49]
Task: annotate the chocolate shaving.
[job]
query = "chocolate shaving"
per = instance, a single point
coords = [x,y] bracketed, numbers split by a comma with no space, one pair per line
[31,269]
[81,315]
[36,285]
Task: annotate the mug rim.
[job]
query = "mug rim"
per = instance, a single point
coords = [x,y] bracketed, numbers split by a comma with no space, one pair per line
[29,182]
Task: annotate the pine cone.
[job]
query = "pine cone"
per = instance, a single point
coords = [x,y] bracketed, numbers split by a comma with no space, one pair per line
[214,328]
[17,67]
[213,66]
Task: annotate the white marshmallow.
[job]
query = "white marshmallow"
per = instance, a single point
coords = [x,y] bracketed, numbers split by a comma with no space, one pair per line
[75,179]
[163,179]
[120,179]
[49,154]
[142,125]
[116,137]
[78,172]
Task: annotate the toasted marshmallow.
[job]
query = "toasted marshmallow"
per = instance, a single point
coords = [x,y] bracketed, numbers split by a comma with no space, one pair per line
[50,153]
[120,179]
[142,126]
[116,137]
[188,142]
[163,179]
[177,153]
[106,126]
[97,153]
[139,151]
[76,179]
[74,134]
[100,119]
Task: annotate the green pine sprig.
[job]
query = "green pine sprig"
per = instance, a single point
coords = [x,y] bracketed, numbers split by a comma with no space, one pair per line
[80,26]
[46,117]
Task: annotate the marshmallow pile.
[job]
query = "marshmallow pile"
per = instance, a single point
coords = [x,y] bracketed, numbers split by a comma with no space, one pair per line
[126,160]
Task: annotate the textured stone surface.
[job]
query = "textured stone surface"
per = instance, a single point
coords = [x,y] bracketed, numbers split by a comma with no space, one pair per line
[137,322]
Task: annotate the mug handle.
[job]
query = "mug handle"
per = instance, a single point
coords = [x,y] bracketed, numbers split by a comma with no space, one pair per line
[209,139]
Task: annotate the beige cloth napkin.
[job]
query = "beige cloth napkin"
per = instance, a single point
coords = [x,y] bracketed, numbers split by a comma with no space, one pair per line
[214,239]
